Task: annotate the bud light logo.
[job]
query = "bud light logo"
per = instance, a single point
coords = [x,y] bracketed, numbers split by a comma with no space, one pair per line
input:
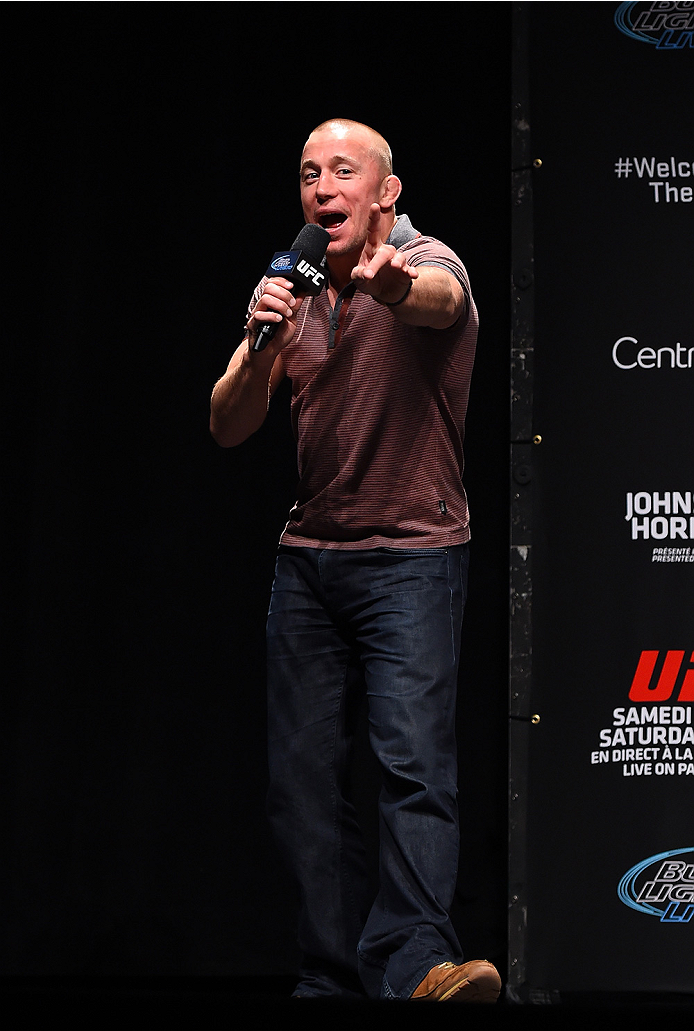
[661,886]
[667,24]
[282,263]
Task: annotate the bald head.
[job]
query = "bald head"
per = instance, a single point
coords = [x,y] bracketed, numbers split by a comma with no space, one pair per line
[345,173]
[378,147]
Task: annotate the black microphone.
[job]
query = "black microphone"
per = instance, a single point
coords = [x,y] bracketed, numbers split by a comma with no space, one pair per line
[304,265]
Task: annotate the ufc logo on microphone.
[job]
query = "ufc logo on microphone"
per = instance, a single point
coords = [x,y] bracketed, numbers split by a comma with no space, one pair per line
[310,272]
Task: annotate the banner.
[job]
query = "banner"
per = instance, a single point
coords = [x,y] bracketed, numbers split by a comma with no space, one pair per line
[607,889]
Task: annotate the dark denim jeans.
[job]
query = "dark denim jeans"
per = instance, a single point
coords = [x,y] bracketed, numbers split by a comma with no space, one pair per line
[388,619]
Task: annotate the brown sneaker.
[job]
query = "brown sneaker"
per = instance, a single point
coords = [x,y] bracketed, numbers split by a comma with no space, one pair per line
[476,981]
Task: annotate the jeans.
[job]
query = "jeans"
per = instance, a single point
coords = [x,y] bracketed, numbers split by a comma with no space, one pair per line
[386,621]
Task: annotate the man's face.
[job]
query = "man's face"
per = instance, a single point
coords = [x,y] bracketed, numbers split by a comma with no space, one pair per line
[340,179]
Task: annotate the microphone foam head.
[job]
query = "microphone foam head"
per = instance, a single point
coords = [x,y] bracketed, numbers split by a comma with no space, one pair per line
[314,240]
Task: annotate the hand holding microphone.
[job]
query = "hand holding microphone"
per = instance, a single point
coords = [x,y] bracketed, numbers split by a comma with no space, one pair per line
[302,267]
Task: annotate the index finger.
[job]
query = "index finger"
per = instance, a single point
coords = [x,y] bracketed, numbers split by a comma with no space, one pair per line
[373,229]
[285,284]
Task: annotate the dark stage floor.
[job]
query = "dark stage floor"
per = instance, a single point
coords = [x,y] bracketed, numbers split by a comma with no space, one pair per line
[264,1002]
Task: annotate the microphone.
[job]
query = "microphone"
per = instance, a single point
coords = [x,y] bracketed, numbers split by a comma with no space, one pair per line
[304,265]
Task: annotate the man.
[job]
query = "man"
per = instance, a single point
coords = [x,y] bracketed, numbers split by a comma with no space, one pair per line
[371,575]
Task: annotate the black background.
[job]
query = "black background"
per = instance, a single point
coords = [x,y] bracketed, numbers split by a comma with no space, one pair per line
[151,157]
[610,262]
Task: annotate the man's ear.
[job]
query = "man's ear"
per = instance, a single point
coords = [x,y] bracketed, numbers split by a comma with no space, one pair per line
[390,191]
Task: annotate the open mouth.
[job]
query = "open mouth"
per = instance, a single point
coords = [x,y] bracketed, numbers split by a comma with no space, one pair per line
[331,220]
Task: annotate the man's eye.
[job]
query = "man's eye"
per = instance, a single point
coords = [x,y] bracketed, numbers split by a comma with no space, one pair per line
[308,176]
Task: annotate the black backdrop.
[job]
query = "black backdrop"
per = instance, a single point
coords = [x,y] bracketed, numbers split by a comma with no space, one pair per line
[150,157]
[612,250]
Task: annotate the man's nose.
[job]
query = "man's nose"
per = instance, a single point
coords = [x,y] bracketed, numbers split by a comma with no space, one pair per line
[325,186]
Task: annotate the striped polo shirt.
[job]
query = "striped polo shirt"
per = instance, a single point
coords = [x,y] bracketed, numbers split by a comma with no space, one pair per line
[378,412]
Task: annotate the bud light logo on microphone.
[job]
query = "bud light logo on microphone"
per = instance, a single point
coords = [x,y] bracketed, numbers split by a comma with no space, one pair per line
[304,269]
[282,263]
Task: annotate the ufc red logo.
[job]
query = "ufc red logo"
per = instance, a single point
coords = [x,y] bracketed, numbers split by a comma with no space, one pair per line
[647,687]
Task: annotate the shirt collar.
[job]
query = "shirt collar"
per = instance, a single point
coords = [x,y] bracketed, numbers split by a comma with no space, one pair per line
[402,232]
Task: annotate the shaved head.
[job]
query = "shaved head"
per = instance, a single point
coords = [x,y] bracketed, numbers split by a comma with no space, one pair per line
[345,172]
[379,149]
